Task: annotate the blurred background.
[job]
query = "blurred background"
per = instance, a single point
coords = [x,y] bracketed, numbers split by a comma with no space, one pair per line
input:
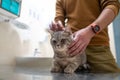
[24,36]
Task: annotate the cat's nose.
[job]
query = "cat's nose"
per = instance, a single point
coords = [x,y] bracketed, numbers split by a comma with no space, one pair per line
[58,45]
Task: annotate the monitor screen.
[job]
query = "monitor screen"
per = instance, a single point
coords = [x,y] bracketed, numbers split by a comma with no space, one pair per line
[12,6]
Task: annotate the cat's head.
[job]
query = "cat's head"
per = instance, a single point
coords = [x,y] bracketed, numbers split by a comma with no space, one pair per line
[60,40]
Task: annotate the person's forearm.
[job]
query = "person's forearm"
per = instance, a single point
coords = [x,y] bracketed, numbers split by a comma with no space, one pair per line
[105,18]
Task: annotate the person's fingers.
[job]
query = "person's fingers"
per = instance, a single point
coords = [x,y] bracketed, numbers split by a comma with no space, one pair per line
[75,40]
[50,26]
[77,50]
[80,50]
[54,26]
[74,47]
[60,25]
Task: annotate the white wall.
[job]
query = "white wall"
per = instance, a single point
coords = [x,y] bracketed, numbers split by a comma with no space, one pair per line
[112,42]
[13,44]
[10,44]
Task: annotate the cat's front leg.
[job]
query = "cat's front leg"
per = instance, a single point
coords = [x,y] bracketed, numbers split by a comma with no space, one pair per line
[71,68]
[56,68]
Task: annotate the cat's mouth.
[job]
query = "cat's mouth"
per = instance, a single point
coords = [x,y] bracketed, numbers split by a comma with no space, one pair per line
[60,49]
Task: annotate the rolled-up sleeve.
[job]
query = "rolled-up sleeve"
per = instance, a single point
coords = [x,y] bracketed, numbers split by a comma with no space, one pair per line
[112,4]
[60,12]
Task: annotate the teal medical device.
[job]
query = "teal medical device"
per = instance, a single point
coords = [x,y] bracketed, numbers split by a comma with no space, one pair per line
[10,8]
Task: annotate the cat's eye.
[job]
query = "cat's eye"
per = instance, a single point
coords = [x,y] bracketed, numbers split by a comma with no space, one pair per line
[63,41]
[54,41]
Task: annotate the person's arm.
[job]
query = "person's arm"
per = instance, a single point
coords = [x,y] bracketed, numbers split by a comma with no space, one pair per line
[105,18]
[84,36]
[110,11]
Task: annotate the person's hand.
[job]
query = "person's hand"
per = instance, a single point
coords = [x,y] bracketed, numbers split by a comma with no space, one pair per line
[81,41]
[56,26]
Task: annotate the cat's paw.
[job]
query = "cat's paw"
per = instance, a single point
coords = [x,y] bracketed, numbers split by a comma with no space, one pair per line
[86,66]
[68,71]
[56,70]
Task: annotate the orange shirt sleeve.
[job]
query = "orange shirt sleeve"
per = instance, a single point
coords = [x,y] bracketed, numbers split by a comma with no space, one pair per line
[112,4]
[60,12]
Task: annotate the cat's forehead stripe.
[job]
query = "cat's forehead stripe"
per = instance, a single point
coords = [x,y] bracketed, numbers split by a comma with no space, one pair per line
[59,35]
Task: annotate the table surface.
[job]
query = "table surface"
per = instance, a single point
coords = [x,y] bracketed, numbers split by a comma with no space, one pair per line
[18,73]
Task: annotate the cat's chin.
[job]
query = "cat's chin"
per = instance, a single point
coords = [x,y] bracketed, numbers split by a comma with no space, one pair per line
[60,51]
[61,55]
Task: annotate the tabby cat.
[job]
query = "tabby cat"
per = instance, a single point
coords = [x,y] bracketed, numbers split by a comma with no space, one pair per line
[63,62]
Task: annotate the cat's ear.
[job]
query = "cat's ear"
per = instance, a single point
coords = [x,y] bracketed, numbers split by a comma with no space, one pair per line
[49,31]
[68,30]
